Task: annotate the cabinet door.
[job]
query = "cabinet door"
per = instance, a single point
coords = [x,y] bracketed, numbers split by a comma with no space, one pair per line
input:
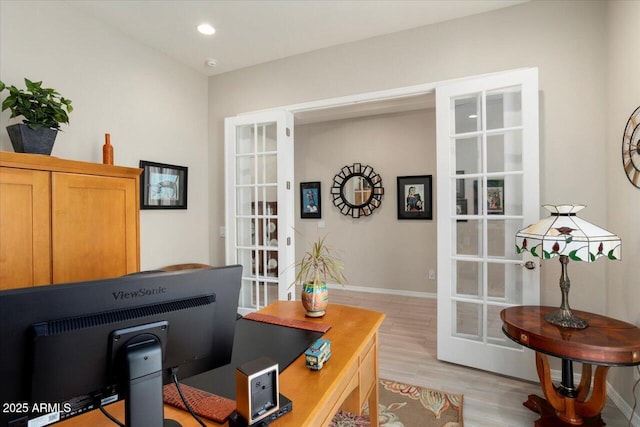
[25,238]
[95,227]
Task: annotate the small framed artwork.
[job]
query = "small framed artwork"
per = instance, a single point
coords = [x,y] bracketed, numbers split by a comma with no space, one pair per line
[163,186]
[310,206]
[415,197]
[495,196]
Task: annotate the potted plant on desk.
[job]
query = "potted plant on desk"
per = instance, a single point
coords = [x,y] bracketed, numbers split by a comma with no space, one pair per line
[317,265]
[43,110]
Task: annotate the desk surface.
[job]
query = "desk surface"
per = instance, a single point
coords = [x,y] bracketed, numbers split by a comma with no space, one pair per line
[311,391]
[606,341]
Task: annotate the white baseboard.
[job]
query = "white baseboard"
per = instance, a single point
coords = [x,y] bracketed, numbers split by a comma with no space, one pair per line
[382,291]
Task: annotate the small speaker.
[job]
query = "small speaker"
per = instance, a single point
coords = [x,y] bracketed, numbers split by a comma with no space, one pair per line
[257,389]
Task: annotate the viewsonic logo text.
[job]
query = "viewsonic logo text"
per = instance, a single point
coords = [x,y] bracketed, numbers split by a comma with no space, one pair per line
[142,292]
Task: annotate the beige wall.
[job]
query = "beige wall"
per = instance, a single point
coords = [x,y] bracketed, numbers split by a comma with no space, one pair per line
[623,199]
[394,145]
[154,109]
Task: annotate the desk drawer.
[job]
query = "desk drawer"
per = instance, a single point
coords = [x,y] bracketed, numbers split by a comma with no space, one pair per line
[368,371]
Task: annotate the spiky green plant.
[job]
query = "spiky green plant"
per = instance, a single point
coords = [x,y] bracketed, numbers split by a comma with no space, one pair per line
[319,264]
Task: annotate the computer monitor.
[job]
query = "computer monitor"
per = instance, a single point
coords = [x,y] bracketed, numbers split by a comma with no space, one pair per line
[70,348]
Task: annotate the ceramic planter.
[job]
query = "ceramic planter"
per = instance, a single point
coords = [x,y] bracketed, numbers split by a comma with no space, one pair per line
[315,299]
[27,140]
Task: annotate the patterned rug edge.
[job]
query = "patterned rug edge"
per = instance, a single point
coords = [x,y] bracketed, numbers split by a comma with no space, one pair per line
[421,405]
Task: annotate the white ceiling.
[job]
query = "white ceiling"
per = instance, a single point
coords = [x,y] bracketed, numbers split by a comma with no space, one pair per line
[257,31]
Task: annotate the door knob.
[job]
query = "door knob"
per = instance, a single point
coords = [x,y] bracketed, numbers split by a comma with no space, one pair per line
[530,265]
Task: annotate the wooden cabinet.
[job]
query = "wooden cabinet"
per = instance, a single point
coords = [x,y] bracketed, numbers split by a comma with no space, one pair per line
[65,221]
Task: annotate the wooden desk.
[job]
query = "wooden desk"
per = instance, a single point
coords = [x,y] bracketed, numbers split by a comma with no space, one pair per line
[606,342]
[347,380]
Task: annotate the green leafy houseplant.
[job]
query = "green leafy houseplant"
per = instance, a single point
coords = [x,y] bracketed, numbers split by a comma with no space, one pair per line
[40,107]
[43,110]
[317,265]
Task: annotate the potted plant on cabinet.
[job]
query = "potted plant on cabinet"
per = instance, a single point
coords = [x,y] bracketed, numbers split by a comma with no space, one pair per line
[317,265]
[43,110]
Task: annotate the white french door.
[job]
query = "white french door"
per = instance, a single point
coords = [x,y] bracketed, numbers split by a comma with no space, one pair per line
[259,207]
[487,157]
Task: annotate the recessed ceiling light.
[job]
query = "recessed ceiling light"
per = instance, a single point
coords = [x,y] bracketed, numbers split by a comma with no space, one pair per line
[473,116]
[206,29]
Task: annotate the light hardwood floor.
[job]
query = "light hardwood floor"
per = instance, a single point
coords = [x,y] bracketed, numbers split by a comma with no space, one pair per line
[408,353]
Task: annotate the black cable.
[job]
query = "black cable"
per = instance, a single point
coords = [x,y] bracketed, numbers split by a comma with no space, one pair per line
[635,398]
[184,400]
[111,417]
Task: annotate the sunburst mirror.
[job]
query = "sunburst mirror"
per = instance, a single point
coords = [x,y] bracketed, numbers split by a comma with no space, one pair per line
[357,190]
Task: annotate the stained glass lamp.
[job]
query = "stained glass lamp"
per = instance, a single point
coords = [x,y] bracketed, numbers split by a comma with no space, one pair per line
[566,235]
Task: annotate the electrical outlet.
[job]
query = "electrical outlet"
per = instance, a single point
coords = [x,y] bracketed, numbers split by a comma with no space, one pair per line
[222,231]
[432,274]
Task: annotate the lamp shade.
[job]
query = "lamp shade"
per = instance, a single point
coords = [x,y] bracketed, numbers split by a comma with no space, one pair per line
[564,233]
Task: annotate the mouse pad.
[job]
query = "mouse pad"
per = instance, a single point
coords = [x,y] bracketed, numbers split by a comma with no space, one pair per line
[252,340]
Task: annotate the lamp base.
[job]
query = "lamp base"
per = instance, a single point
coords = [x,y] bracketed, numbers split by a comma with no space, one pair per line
[566,319]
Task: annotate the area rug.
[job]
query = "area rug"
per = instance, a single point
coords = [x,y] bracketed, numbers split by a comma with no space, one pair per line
[405,405]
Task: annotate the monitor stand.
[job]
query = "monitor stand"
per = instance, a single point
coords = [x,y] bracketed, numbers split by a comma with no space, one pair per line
[144,406]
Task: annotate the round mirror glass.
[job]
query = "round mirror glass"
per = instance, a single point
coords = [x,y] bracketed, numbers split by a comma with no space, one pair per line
[357,191]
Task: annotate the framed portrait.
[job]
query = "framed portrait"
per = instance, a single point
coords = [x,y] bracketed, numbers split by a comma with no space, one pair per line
[495,196]
[163,186]
[310,205]
[415,197]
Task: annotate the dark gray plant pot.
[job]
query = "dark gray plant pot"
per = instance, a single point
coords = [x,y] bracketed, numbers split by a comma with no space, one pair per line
[26,140]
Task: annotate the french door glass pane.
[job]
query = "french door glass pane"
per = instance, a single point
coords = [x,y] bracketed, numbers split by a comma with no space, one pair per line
[494,328]
[467,114]
[467,274]
[469,237]
[504,282]
[468,320]
[504,108]
[245,232]
[500,238]
[267,169]
[504,151]
[504,195]
[270,142]
[245,172]
[244,200]
[468,155]
[245,139]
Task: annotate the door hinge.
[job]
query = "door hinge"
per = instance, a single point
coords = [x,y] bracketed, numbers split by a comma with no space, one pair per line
[288,131]
[288,241]
[288,185]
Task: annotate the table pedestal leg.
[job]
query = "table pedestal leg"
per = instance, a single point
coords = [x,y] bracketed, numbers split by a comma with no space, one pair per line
[566,405]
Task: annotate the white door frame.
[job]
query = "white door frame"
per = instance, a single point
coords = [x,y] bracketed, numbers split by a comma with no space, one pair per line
[380,95]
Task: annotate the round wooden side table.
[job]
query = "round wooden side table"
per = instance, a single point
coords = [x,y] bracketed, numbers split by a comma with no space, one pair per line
[606,342]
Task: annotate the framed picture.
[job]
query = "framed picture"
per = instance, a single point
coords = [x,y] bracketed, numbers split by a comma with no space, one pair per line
[414,197]
[163,186]
[461,208]
[310,206]
[495,196]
